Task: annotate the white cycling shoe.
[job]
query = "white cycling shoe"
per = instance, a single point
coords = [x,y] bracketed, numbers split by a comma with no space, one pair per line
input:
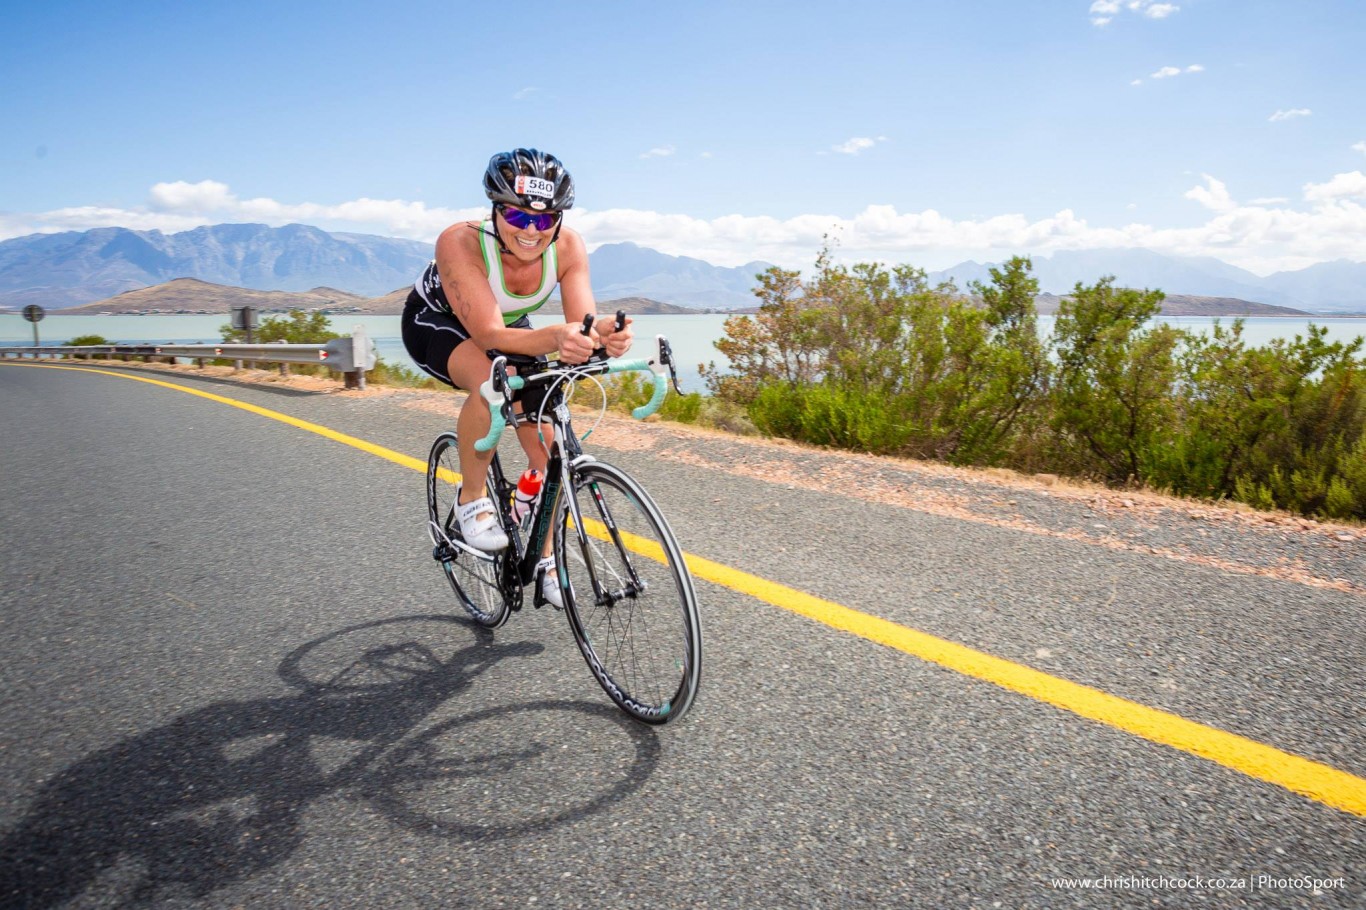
[549,580]
[481,533]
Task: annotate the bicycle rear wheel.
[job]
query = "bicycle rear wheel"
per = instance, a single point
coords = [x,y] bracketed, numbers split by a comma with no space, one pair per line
[628,595]
[474,576]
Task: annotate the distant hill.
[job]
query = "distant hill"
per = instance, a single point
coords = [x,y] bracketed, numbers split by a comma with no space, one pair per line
[195,296]
[1330,287]
[68,269]
[628,270]
[189,295]
[59,271]
[1186,305]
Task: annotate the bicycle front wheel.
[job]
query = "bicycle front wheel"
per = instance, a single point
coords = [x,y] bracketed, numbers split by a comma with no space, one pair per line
[475,577]
[628,594]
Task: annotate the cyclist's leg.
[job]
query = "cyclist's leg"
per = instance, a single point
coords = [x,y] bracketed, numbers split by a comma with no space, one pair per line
[468,368]
[441,346]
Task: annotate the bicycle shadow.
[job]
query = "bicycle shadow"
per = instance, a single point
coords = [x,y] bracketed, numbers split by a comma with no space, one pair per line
[218,794]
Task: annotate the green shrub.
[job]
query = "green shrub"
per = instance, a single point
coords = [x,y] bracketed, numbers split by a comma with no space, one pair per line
[876,360]
[394,374]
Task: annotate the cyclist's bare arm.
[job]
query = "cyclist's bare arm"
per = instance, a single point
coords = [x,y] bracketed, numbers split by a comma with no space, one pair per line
[577,293]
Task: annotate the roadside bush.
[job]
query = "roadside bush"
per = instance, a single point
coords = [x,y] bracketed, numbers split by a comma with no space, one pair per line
[878,360]
[83,340]
[395,374]
[296,327]
[1113,397]
[875,360]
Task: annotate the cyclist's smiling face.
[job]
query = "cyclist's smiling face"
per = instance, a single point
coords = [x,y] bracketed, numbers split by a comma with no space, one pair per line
[526,243]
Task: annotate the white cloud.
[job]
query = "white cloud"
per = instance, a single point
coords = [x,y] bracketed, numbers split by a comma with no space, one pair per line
[206,195]
[1265,235]
[1342,186]
[857,144]
[522,94]
[179,206]
[663,151]
[1359,147]
[1213,195]
[1103,12]
[1290,114]
[1167,72]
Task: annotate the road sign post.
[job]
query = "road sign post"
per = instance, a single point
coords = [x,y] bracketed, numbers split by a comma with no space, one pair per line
[244,320]
[34,314]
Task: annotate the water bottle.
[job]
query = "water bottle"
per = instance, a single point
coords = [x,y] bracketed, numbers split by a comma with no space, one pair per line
[528,489]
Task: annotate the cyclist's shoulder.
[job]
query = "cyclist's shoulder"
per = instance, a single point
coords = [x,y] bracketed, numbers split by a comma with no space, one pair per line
[460,244]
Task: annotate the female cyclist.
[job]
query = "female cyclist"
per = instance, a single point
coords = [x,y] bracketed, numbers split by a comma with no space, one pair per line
[474,298]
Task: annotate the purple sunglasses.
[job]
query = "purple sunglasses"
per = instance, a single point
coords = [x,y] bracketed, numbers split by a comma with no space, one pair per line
[520,220]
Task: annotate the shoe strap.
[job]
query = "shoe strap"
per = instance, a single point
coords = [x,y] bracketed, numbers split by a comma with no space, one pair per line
[470,509]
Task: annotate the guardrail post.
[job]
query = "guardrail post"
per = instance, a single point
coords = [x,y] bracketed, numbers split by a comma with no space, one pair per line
[360,347]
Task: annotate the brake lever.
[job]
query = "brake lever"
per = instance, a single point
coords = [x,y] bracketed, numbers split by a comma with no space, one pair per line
[666,359]
[499,375]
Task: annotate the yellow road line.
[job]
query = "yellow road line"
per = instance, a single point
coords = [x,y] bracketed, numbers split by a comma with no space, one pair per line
[1315,780]
[364,446]
[1319,782]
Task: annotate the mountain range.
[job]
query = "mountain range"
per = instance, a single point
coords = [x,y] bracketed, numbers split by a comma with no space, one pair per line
[1328,287]
[64,270]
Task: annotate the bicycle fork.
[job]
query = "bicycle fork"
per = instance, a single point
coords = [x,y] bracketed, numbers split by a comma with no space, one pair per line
[603,597]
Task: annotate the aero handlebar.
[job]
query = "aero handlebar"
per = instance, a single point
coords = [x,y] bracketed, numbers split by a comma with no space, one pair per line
[498,388]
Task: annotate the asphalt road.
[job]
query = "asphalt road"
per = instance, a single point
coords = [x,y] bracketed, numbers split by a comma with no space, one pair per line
[232,677]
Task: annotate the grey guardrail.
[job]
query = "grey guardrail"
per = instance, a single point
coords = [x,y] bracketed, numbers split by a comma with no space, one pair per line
[354,354]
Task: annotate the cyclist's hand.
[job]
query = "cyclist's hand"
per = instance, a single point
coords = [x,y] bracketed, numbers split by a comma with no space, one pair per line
[574,346]
[617,343]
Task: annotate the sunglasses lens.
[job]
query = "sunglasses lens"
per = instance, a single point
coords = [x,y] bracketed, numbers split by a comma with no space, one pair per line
[521,220]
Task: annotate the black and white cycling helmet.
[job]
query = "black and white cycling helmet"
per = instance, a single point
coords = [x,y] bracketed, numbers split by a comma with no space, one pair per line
[529,179]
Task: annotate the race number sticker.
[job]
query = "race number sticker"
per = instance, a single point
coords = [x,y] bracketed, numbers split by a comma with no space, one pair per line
[534,186]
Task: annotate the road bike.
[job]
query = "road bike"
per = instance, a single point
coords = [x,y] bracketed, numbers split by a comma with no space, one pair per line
[622,577]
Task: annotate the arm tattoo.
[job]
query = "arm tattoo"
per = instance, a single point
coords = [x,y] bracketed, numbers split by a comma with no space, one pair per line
[459,305]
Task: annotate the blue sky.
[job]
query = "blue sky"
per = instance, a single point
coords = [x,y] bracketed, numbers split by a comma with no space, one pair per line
[919,132]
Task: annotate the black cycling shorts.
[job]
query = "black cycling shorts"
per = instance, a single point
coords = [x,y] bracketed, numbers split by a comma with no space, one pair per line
[430,336]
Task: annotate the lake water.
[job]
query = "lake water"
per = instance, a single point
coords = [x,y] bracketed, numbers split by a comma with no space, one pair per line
[691,336]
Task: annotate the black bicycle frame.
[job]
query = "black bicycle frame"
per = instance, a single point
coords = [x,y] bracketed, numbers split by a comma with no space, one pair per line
[528,551]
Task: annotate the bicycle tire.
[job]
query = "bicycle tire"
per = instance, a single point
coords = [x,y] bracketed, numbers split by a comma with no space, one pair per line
[643,639]
[476,579]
